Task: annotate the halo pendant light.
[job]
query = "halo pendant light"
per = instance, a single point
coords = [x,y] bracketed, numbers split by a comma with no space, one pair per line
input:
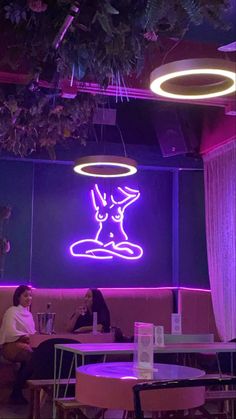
[166,79]
[105,166]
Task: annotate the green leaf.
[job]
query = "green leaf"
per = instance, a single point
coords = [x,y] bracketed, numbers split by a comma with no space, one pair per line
[105,23]
[110,9]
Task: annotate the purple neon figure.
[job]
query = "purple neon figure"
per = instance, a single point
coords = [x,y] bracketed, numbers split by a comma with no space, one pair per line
[111,239]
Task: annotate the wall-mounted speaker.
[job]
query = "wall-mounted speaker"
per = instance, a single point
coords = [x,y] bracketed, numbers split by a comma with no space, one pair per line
[176,131]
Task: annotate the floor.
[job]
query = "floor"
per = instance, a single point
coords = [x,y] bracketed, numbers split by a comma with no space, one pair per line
[21,412]
[8,411]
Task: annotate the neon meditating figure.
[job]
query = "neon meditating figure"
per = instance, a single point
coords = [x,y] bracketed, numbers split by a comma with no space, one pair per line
[111,239]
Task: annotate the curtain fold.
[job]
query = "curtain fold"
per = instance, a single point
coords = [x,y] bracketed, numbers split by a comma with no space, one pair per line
[220,202]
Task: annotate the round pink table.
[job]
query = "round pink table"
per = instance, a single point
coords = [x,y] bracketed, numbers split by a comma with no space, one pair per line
[109,385]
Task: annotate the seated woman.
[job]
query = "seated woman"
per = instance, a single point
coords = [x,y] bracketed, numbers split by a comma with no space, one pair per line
[81,320]
[17,326]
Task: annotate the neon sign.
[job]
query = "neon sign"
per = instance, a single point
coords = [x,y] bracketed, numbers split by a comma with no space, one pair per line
[111,239]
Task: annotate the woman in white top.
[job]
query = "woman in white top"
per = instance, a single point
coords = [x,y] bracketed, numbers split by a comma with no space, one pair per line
[17,326]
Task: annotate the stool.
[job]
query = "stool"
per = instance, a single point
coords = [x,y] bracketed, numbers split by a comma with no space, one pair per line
[67,406]
[222,397]
[35,387]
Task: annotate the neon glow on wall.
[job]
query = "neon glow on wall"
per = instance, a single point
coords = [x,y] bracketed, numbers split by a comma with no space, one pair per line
[111,239]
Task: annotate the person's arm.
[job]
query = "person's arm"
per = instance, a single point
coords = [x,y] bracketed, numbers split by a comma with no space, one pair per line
[11,331]
[10,324]
[24,339]
[72,320]
[86,329]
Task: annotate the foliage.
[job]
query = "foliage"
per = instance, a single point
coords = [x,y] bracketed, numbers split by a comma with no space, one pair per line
[108,39]
[32,121]
[5,213]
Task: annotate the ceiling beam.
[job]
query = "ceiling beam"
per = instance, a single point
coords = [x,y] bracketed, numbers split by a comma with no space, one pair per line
[111,90]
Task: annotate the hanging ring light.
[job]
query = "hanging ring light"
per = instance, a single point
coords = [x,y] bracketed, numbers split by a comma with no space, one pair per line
[198,78]
[105,166]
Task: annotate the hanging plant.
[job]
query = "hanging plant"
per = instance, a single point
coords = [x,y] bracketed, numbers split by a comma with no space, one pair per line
[4,246]
[37,6]
[30,121]
[107,40]
[5,213]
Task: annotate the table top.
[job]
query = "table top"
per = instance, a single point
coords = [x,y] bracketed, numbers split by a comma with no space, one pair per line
[127,348]
[86,338]
[126,370]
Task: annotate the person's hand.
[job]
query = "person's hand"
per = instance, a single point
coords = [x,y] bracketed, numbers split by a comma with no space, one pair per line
[82,310]
[24,339]
[79,311]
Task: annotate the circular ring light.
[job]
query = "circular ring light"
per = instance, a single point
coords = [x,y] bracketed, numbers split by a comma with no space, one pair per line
[219,78]
[105,166]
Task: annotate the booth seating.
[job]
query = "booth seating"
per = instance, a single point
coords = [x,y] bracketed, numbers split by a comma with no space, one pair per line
[196,311]
[127,306]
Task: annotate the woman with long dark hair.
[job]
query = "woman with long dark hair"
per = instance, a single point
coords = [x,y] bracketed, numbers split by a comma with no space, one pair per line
[17,326]
[81,320]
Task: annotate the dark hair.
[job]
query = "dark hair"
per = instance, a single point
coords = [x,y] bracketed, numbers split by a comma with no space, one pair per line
[98,300]
[99,305]
[19,290]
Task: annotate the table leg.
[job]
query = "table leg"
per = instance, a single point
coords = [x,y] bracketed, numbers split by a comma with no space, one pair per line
[73,363]
[54,383]
[218,364]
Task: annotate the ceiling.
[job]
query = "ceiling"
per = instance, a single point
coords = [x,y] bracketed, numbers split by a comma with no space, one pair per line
[139,121]
[200,41]
[205,33]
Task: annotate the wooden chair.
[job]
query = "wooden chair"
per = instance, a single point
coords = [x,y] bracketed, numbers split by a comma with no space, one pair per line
[39,390]
[157,385]
[42,379]
[67,407]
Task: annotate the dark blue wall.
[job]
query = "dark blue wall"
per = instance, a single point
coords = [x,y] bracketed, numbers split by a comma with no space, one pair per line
[193,268]
[51,208]
[16,191]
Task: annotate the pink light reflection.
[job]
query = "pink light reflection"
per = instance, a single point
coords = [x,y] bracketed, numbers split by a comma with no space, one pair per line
[123,288]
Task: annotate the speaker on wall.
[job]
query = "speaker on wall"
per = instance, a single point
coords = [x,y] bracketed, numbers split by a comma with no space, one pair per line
[176,132]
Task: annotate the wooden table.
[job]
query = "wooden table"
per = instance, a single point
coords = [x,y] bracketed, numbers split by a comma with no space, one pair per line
[110,386]
[38,338]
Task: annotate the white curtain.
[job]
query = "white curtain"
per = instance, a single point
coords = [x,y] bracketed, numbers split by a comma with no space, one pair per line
[220,199]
